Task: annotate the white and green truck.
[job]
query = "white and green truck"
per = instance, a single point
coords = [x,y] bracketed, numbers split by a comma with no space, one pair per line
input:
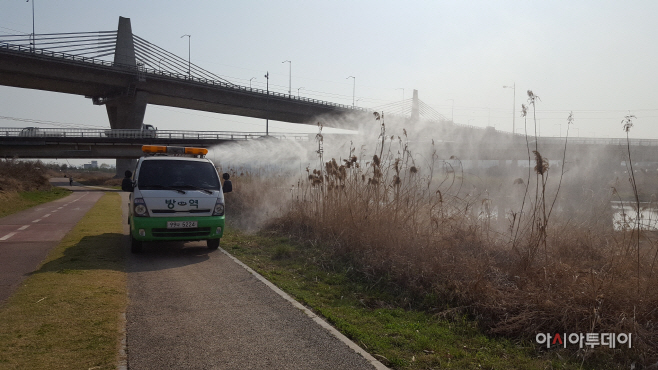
[176,194]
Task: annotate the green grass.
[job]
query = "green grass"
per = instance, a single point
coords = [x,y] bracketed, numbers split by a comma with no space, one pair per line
[16,202]
[66,315]
[373,316]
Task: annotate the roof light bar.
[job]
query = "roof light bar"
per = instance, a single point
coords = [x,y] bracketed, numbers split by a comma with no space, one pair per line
[154,149]
[196,151]
[173,150]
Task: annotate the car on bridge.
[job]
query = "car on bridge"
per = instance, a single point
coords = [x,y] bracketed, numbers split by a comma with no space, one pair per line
[37,132]
[30,132]
[147,131]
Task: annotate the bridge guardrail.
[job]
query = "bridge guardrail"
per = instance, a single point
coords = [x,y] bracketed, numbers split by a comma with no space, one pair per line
[151,71]
[53,133]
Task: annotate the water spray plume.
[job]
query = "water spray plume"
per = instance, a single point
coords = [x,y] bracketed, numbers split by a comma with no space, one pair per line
[522,252]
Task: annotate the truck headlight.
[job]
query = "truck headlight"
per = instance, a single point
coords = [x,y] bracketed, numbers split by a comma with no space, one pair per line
[140,208]
[219,209]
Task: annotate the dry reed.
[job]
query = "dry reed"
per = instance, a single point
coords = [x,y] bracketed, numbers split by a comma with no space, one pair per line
[416,225]
[18,176]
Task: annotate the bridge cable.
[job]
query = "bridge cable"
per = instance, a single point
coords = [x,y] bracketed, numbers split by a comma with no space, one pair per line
[147,48]
[98,43]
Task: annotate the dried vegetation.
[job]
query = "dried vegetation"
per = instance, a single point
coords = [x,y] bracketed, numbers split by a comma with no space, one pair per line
[18,176]
[531,259]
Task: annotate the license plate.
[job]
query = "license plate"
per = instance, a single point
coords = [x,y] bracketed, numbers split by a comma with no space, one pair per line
[181,224]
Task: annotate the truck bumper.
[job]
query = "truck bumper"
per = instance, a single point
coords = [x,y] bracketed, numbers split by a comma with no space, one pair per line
[155,228]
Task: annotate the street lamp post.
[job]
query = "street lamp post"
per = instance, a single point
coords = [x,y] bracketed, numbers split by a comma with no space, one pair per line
[34,43]
[513,87]
[267,113]
[353,88]
[289,75]
[298,91]
[250,81]
[189,63]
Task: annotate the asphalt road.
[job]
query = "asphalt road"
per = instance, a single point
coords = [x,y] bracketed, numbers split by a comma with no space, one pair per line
[27,237]
[190,308]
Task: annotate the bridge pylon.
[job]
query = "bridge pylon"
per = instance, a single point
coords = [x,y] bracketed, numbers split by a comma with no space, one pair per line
[127,110]
[415,110]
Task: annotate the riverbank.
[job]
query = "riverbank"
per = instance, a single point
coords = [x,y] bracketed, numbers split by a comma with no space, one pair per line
[380,316]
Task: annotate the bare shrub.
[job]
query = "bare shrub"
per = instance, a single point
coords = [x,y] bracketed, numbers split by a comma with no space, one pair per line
[18,175]
[411,219]
[95,178]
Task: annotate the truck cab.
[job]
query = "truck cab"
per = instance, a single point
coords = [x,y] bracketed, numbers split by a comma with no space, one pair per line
[149,131]
[176,195]
[146,131]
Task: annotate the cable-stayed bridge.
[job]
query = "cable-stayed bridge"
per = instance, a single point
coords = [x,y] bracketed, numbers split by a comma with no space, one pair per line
[140,73]
[125,72]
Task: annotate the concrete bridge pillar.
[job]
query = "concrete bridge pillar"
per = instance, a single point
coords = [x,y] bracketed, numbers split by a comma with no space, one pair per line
[415,111]
[127,110]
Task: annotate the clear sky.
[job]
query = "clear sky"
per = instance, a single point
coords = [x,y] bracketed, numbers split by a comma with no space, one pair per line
[595,58]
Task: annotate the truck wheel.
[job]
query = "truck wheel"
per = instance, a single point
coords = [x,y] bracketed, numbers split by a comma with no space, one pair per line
[213,244]
[135,246]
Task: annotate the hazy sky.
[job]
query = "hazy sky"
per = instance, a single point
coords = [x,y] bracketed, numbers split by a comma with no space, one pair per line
[595,58]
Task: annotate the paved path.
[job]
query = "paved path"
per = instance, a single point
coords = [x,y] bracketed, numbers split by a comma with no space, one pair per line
[27,237]
[190,308]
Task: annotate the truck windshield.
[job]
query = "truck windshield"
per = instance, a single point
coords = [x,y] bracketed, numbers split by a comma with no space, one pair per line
[174,174]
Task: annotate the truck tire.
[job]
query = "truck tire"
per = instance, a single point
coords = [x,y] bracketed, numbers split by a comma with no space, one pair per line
[212,244]
[135,245]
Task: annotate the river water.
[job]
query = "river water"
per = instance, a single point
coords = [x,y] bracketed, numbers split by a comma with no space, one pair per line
[624,216]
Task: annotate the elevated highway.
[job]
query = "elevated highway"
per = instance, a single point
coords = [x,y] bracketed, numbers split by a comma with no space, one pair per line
[72,63]
[128,85]
[136,77]
[121,143]
[495,145]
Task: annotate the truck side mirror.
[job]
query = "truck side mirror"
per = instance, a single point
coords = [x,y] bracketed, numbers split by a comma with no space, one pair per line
[227,187]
